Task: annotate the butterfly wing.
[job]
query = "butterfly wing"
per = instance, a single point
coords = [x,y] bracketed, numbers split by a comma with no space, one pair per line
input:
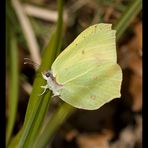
[93,87]
[93,49]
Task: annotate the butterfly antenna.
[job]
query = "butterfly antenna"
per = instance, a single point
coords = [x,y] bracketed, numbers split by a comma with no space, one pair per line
[30,62]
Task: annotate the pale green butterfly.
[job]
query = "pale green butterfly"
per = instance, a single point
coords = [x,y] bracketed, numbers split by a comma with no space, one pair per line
[86,74]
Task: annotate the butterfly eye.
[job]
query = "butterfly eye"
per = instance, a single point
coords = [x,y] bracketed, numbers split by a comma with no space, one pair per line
[48,74]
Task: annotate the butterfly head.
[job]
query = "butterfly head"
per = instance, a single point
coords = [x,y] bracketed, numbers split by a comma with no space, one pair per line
[47,74]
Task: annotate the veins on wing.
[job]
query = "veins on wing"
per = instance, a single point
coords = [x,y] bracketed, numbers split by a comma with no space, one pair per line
[79,75]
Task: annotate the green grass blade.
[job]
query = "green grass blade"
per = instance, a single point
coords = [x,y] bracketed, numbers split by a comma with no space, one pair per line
[37,106]
[130,13]
[61,114]
[36,109]
[13,96]
[59,27]
[33,113]
[15,140]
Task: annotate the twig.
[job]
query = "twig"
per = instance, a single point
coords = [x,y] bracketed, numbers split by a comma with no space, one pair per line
[27,30]
[27,87]
[48,15]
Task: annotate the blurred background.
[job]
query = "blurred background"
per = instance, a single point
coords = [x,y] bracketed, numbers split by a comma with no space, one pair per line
[30,23]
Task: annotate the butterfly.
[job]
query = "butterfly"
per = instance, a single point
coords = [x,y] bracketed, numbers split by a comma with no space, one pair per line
[86,74]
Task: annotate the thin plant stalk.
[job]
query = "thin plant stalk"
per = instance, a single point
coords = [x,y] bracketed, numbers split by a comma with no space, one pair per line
[61,114]
[130,13]
[14,83]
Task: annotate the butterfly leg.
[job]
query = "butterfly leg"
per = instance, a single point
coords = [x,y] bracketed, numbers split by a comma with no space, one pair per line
[45,88]
[56,95]
[53,96]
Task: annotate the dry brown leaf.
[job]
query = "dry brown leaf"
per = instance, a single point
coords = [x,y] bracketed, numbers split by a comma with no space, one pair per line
[136,91]
[135,65]
[138,31]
